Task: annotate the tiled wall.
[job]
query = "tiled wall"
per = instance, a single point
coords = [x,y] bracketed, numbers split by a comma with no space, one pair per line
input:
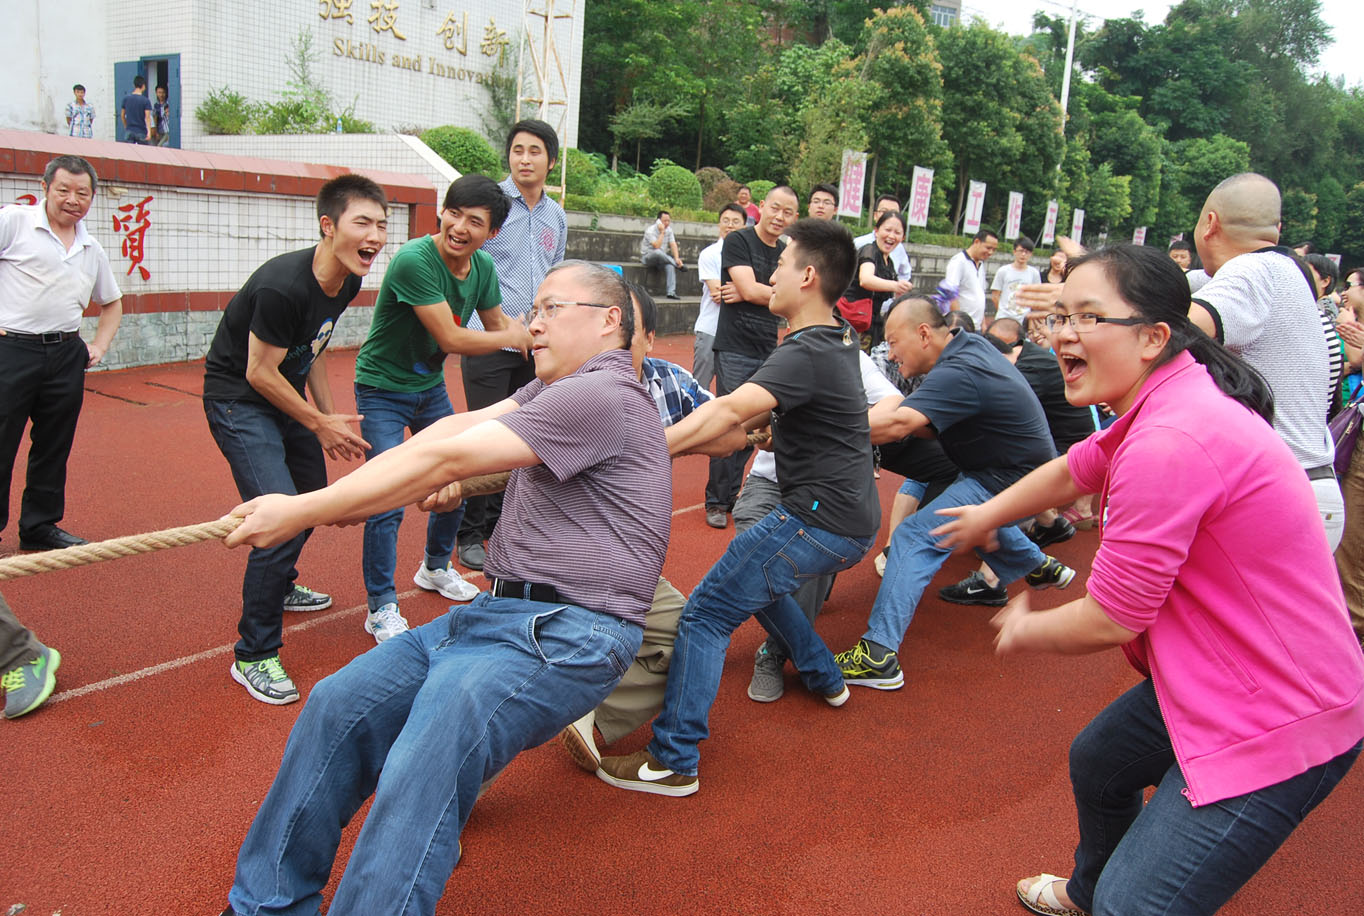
[389,152]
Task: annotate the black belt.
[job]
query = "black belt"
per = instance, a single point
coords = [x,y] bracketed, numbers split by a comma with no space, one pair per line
[51,337]
[1321,473]
[530,591]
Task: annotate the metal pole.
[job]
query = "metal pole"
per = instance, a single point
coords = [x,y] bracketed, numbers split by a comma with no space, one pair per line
[1065,79]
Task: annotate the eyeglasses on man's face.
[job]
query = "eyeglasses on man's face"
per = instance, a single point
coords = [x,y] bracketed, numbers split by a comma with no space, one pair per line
[550,307]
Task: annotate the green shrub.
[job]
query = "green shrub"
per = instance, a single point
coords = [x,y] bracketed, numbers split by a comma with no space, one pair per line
[709,177]
[674,186]
[224,112]
[760,188]
[292,116]
[583,173]
[465,149]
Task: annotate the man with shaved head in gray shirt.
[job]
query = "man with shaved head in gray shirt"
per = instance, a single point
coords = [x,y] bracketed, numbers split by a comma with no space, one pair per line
[1261,303]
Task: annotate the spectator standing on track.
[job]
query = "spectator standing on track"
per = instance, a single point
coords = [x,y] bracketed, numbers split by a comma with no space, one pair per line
[747,330]
[823,202]
[424,720]
[652,253]
[966,274]
[136,114]
[531,241]
[744,198]
[708,318]
[1011,276]
[431,288]
[904,271]
[28,669]
[51,269]
[272,340]
[80,114]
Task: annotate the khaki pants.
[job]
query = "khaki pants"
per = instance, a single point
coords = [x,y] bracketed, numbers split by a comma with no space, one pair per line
[19,646]
[1350,553]
[639,695]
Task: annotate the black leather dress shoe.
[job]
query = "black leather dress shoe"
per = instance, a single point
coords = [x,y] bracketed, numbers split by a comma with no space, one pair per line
[49,537]
[471,555]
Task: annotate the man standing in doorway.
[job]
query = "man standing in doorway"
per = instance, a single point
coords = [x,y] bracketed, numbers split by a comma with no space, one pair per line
[532,241]
[747,331]
[136,114]
[161,117]
[50,270]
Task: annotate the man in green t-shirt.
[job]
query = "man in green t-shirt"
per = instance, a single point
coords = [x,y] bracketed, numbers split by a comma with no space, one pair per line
[430,289]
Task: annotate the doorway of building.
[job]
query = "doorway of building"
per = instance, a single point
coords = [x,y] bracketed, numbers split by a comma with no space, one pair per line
[158,70]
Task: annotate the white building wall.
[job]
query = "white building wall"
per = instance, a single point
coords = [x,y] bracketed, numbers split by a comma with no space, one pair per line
[245,45]
[199,240]
[385,152]
[54,45]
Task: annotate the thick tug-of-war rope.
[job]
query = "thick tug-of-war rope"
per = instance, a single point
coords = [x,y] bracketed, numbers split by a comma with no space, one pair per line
[31,564]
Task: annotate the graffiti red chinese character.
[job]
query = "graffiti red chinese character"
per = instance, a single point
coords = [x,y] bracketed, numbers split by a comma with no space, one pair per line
[134,224]
[30,199]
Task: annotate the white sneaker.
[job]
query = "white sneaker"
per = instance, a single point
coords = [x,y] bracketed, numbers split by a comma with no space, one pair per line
[447,581]
[385,623]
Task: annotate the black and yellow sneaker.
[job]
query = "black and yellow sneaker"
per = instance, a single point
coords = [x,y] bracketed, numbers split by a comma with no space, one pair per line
[860,667]
[1051,574]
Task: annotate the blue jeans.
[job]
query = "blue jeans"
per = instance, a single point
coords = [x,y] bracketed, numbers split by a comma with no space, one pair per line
[1168,856]
[387,414]
[755,576]
[268,452]
[727,474]
[420,722]
[915,559]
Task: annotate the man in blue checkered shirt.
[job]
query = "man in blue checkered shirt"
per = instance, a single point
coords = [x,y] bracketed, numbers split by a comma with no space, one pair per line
[531,241]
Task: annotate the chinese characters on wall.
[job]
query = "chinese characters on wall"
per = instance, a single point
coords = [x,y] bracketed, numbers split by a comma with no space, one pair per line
[453,30]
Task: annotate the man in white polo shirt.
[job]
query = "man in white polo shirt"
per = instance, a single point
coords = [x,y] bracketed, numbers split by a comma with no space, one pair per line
[732,217]
[50,270]
[966,272]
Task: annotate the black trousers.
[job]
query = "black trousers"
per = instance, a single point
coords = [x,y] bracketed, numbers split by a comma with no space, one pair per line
[488,379]
[44,384]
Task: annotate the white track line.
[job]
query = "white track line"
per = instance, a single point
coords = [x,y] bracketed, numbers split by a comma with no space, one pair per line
[314,620]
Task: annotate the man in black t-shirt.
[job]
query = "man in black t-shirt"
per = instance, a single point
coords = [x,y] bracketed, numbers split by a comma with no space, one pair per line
[270,343]
[747,331]
[811,387]
[136,114]
[991,426]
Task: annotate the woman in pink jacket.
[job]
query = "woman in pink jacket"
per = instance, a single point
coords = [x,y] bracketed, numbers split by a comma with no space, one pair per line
[1213,576]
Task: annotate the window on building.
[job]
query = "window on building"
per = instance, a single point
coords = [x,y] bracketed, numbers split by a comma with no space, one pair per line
[944,16]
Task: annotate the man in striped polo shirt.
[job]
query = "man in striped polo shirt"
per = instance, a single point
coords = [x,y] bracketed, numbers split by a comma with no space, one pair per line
[422,720]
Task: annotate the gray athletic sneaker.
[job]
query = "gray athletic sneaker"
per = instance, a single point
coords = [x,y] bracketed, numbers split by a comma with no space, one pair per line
[768,684]
[29,685]
[265,680]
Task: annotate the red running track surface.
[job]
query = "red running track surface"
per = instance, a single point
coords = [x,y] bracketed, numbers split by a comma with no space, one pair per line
[130,792]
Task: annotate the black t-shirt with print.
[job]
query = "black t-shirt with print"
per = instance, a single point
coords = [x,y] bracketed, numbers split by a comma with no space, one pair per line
[284,306]
[820,434]
[746,327]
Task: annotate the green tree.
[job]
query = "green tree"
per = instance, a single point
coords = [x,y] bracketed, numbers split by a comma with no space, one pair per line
[905,119]
[638,122]
[1330,213]
[1299,215]
[1351,240]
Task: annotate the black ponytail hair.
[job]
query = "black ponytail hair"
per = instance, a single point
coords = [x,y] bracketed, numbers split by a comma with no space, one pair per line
[1155,287]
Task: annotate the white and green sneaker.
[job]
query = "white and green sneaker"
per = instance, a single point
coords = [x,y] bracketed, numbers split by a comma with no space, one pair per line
[265,680]
[28,686]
